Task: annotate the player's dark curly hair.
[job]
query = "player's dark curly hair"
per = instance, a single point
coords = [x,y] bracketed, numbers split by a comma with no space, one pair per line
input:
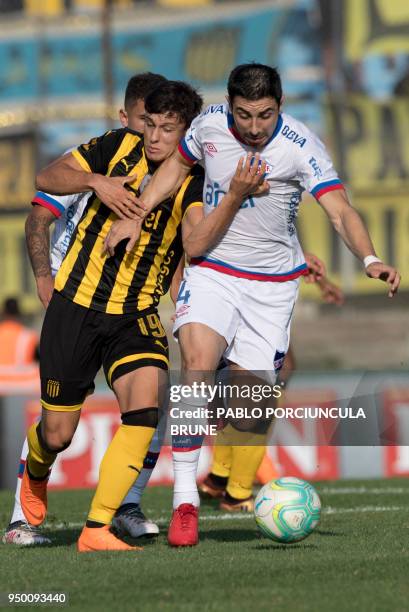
[255,81]
[140,85]
[175,98]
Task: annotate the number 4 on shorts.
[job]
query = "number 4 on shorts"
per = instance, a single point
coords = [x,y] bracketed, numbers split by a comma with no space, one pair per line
[183,296]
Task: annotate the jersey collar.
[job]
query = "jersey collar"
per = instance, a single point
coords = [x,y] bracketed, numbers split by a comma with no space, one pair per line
[135,132]
[232,129]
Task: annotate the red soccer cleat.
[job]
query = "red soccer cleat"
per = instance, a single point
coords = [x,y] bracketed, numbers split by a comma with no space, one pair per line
[184,526]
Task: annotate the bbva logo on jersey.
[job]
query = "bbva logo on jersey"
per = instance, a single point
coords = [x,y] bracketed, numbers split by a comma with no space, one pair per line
[292,135]
[213,108]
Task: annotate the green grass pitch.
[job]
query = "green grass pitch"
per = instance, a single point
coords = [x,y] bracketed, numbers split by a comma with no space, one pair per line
[358,559]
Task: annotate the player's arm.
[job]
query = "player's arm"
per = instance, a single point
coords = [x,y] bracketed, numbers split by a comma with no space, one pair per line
[199,234]
[348,223]
[64,176]
[37,229]
[130,229]
[320,179]
[165,182]
[174,170]
[84,169]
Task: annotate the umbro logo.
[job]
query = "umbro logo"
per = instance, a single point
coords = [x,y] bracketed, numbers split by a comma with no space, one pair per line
[211,149]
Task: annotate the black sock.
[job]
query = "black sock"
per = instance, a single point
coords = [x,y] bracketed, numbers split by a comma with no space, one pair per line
[94,524]
[218,481]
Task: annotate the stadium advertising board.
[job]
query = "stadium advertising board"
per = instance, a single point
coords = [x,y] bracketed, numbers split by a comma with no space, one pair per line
[294,451]
[396,413]
[78,467]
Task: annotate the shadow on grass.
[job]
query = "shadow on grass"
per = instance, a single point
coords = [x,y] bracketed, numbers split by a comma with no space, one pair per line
[69,536]
[330,534]
[210,502]
[230,535]
[284,547]
[143,541]
[60,537]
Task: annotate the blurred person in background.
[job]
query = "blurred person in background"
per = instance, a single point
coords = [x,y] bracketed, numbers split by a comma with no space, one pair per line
[18,349]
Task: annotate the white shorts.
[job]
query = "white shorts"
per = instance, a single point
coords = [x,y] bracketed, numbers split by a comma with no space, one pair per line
[253,316]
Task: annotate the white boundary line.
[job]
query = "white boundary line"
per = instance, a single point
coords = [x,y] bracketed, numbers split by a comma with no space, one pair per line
[245,516]
[363,490]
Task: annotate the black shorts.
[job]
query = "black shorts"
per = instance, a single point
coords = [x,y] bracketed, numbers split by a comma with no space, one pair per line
[76,342]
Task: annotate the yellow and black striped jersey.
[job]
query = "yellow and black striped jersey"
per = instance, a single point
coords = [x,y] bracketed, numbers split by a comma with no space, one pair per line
[126,282]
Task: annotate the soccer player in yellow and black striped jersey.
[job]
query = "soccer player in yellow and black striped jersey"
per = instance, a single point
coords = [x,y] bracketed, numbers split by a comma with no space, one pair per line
[125,283]
[103,310]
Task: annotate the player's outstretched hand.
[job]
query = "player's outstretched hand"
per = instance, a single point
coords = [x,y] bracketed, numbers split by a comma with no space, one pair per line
[121,230]
[112,191]
[330,293]
[385,273]
[316,268]
[249,178]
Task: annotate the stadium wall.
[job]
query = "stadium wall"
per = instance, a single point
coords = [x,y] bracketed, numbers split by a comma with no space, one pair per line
[320,449]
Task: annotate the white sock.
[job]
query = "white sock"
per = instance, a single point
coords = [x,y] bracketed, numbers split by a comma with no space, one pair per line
[184,470]
[186,453]
[18,514]
[136,491]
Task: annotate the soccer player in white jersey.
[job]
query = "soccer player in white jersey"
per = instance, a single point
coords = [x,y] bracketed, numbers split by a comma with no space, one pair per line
[46,257]
[238,298]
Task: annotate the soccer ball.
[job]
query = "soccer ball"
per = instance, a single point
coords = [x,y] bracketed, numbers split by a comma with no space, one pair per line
[287,510]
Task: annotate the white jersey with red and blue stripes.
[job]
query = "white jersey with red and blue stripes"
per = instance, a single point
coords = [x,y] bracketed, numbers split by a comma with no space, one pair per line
[261,242]
[68,211]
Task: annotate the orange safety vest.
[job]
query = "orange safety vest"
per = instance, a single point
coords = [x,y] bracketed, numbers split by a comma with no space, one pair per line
[18,370]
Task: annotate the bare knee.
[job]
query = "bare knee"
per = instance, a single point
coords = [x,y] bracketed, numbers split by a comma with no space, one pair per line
[56,438]
[201,347]
[197,361]
[197,357]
